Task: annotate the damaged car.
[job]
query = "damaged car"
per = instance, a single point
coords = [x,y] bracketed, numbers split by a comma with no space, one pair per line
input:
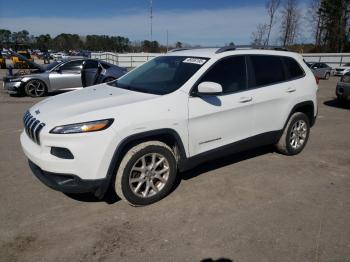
[66,74]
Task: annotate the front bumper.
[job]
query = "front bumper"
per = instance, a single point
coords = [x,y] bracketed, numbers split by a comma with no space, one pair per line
[12,87]
[343,90]
[86,172]
[66,183]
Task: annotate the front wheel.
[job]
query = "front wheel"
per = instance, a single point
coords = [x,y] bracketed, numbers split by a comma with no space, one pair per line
[146,173]
[295,135]
[35,88]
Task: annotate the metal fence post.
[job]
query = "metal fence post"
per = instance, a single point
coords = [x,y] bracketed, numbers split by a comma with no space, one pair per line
[341,60]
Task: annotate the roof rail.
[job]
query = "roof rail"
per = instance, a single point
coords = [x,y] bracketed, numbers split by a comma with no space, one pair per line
[179,49]
[226,48]
[235,47]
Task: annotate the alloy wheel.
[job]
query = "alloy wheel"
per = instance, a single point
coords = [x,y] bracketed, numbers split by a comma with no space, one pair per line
[298,134]
[35,88]
[149,175]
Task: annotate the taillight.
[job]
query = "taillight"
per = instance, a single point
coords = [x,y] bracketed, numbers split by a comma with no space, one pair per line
[317,80]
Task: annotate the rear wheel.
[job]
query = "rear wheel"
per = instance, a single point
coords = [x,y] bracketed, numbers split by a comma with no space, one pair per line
[35,88]
[146,173]
[295,135]
[327,76]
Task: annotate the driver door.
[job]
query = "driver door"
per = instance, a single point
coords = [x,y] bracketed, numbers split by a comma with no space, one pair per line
[219,120]
[67,76]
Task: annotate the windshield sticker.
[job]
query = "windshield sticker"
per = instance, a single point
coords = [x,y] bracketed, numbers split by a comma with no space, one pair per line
[197,61]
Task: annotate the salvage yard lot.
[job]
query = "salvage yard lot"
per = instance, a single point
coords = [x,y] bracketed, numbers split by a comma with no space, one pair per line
[253,206]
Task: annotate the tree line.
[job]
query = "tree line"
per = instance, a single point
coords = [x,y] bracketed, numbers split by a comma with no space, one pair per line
[328,19]
[66,42]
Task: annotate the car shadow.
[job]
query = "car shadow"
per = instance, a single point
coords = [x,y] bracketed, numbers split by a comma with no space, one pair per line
[217,260]
[111,197]
[337,104]
[225,161]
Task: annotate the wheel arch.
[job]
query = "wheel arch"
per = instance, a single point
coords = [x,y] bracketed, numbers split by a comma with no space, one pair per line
[167,135]
[306,107]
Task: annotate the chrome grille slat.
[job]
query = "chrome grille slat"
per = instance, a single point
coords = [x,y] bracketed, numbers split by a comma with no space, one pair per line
[32,127]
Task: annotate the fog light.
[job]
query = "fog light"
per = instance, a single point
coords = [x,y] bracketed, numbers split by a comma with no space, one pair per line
[61,152]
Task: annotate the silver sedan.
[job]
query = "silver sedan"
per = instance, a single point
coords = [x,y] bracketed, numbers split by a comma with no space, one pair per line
[62,75]
[321,70]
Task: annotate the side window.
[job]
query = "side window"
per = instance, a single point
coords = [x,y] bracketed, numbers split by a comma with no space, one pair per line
[229,72]
[293,68]
[268,70]
[90,64]
[72,66]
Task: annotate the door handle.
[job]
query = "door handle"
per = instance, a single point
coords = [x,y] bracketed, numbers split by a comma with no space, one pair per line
[291,90]
[245,99]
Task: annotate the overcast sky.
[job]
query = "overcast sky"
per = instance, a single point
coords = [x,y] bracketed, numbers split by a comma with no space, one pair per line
[204,22]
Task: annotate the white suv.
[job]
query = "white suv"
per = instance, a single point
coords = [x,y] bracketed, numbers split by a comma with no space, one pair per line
[168,115]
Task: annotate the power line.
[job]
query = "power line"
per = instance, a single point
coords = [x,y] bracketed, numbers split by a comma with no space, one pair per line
[151,18]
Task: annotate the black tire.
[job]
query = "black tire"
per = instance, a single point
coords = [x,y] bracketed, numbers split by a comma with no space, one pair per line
[327,76]
[123,185]
[340,100]
[32,88]
[108,79]
[286,144]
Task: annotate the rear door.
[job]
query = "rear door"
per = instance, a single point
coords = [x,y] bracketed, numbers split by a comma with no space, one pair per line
[273,93]
[67,76]
[218,120]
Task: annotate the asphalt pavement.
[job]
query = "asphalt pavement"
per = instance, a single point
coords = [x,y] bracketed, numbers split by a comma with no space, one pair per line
[252,206]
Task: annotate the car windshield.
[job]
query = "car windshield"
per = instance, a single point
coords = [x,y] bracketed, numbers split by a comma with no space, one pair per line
[162,75]
[51,66]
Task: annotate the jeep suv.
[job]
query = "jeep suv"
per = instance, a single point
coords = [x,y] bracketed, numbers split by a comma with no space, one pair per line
[168,115]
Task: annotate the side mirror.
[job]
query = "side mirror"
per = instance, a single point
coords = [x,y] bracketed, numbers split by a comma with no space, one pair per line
[58,70]
[209,88]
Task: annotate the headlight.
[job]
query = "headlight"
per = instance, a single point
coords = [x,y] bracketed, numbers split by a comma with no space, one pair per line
[83,127]
[15,79]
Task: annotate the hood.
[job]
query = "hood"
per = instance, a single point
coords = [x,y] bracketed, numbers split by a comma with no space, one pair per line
[31,63]
[76,106]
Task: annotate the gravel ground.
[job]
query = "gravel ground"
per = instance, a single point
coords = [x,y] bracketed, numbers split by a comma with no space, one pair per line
[253,206]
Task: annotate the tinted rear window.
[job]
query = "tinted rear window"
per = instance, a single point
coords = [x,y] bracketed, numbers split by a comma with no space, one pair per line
[267,69]
[293,68]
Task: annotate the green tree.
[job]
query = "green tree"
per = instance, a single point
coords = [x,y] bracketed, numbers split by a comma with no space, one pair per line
[67,42]
[150,47]
[5,36]
[20,37]
[334,24]
[43,42]
[178,45]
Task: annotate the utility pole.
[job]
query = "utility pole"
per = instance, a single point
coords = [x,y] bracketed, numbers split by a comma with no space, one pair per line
[167,40]
[151,17]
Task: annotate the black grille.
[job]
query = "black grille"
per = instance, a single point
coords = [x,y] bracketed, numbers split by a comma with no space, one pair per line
[32,127]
